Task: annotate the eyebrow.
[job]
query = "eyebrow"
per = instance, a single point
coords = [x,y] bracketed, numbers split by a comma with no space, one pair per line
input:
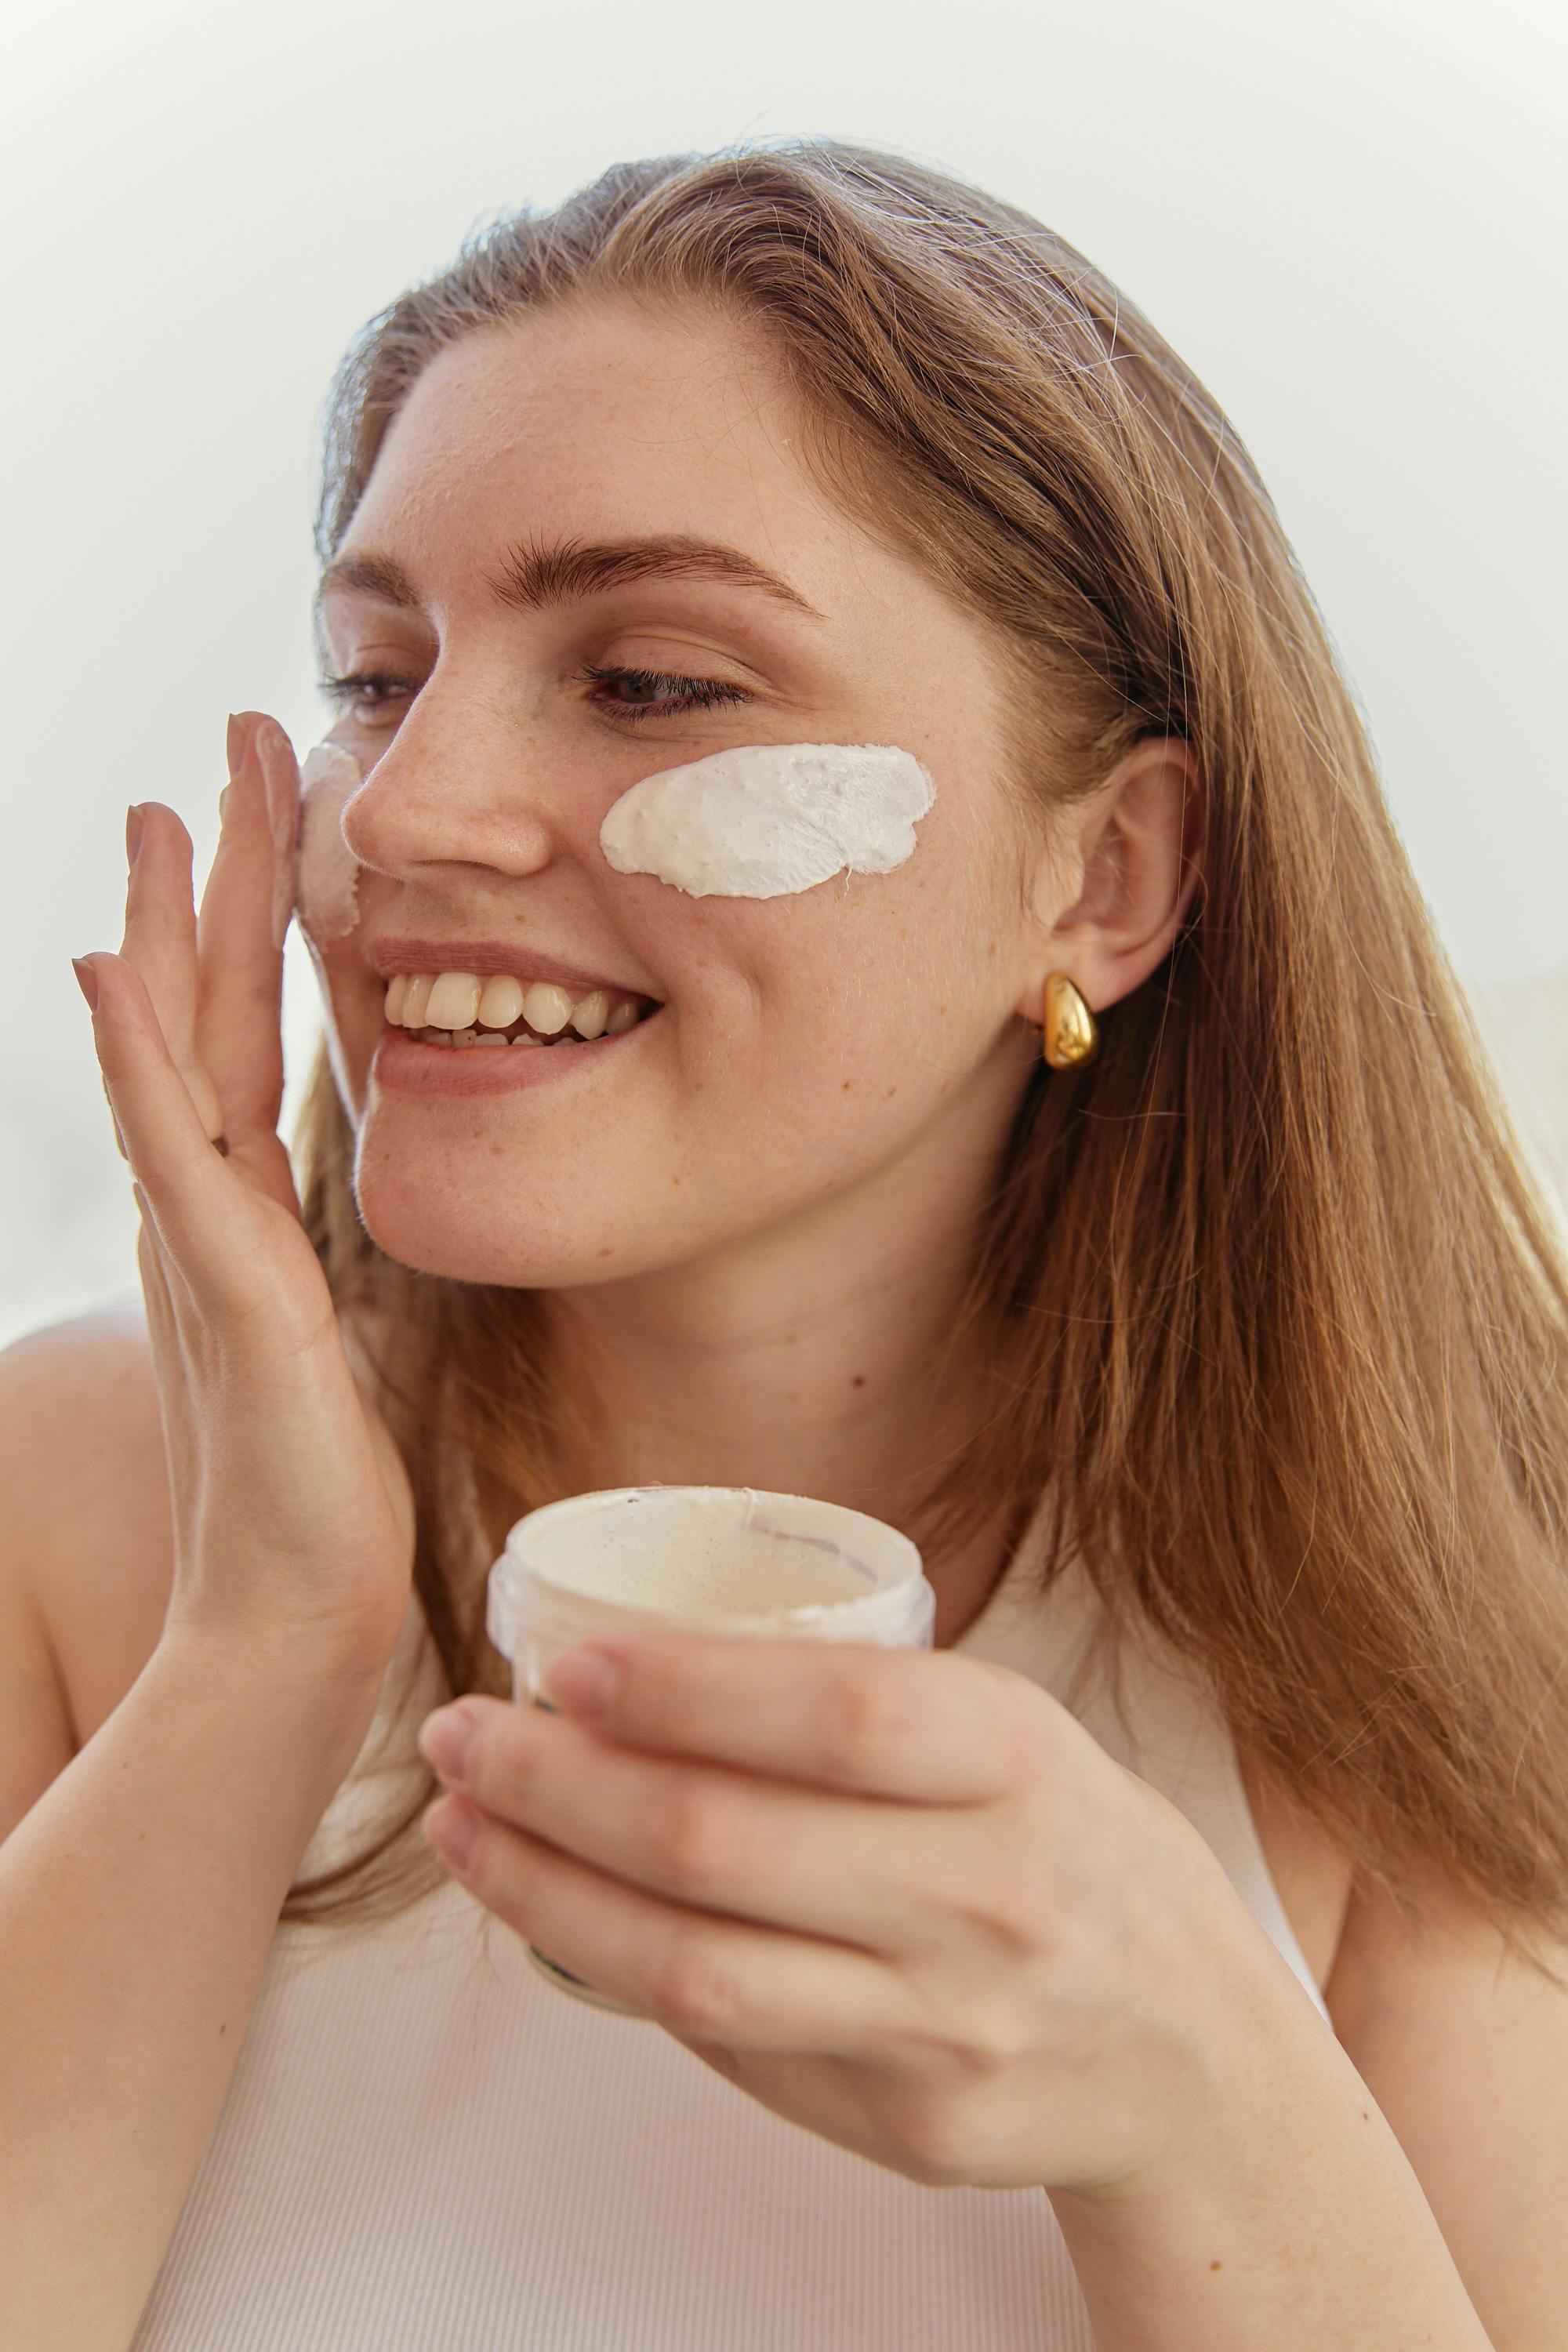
[536,576]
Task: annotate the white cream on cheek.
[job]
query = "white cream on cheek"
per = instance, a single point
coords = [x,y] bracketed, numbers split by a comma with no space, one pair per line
[760,820]
[756,821]
[326,881]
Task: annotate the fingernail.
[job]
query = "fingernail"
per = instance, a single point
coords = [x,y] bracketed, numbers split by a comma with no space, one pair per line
[222,807]
[87,980]
[445,1741]
[270,742]
[133,832]
[236,743]
[276,754]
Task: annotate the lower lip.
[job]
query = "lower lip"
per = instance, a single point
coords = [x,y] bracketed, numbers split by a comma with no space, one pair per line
[402,1065]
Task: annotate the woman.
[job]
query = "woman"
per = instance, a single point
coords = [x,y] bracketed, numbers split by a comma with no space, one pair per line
[1213,1357]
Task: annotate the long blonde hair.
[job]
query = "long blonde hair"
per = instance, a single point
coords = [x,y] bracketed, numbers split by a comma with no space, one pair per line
[1278,1319]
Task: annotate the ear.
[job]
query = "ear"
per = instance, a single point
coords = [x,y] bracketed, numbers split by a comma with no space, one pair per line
[1114,890]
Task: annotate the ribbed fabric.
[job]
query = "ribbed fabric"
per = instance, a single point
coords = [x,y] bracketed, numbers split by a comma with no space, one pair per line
[426,2148]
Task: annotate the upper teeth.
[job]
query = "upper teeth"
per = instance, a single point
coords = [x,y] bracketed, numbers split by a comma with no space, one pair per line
[462,1000]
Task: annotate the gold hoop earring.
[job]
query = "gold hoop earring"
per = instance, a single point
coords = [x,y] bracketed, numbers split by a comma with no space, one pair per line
[1071,1036]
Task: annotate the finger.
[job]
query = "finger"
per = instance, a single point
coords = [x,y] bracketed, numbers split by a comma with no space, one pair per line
[280,776]
[238,1035]
[716,1979]
[923,1725]
[119,1138]
[160,946]
[863,1871]
[87,984]
[153,1267]
[189,1191]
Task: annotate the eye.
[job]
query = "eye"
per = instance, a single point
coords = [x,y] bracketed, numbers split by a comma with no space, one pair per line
[363,694]
[679,693]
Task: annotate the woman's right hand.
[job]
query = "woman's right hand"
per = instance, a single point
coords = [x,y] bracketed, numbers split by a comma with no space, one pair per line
[292,1511]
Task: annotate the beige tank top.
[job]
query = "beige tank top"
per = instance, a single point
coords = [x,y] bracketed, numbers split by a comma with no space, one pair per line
[426,2148]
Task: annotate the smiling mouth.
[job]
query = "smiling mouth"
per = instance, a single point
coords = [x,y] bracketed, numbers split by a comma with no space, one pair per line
[463,1009]
[521,1036]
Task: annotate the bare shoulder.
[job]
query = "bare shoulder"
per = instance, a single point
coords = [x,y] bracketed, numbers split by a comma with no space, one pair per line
[1464,2046]
[1312,1875]
[86,1501]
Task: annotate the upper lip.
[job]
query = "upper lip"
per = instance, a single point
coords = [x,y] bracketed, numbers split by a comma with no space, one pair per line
[399,953]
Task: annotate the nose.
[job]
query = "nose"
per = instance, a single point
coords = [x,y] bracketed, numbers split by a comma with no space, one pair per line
[451,790]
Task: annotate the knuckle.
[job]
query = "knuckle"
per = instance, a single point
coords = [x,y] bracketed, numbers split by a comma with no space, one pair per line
[994,2041]
[984,2039]
[948,2149]
[500,1767]
[937,2138]
[653,1687]
[868,1720]
[1007,1915]
[687,1837]
[1019,1727]
[694,1993]
[1025,1733]
[479,1875]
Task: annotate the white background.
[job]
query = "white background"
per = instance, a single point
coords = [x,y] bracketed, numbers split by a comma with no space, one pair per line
[1346,218]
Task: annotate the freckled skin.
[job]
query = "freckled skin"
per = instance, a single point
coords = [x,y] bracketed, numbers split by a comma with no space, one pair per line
[484,794]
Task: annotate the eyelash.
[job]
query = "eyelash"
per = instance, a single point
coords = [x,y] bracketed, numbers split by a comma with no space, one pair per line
[701,693]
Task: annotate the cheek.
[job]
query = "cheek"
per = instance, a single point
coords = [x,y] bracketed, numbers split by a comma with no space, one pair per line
[771,820]
[829,1023]
[811,1040]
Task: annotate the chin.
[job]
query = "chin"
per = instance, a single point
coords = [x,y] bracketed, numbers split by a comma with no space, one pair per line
[490,1232]
[466,1233]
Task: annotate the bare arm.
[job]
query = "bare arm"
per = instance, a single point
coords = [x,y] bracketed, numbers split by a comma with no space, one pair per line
[1297,2224]
[140,1893]
[138,1900]
[1372,2173]
[1465,2047]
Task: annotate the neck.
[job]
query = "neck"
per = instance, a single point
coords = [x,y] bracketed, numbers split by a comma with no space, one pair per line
[840,1352]
[858,1393]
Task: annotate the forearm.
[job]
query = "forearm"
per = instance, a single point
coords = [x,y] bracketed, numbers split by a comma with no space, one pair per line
[1293,2219]
[139,1898]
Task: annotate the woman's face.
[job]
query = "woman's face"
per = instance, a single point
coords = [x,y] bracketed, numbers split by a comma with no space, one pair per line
[845,1045]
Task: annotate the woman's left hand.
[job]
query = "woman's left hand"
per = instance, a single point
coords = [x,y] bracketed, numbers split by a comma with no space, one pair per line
[901,1898]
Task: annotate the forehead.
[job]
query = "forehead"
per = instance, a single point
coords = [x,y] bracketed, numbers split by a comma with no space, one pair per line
[602,421]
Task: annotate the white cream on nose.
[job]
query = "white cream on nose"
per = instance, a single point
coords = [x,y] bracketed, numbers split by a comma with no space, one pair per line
[760,820]
[326,881]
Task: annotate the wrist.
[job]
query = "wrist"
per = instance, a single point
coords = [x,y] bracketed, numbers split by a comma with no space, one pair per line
[1251,2046]
[320,1694]
[1291,2217]
[1238,2084]
[307,1659]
